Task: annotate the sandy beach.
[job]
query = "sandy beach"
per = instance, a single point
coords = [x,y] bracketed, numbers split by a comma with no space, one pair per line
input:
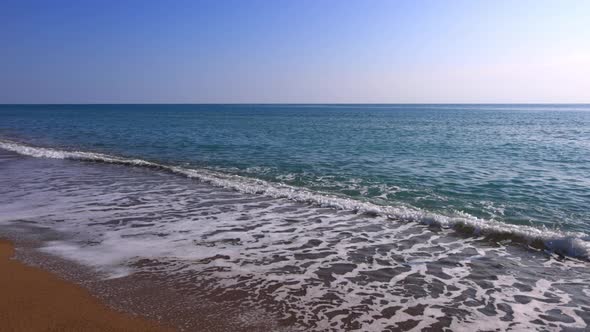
[36,300]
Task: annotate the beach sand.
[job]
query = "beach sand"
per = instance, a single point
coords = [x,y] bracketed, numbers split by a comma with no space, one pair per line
[35,300]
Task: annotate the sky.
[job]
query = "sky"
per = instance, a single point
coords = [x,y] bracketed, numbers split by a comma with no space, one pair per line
[295,51]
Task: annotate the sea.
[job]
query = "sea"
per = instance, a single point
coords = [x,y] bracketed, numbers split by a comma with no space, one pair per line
[308,217]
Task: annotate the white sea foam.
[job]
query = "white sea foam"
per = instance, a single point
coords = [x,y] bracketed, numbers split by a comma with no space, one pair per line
[332,269]
[574,244]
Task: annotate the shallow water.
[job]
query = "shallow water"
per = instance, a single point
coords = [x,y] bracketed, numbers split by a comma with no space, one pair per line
[309,267]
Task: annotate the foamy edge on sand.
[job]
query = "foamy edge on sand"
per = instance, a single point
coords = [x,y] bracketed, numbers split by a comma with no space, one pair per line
[575,244]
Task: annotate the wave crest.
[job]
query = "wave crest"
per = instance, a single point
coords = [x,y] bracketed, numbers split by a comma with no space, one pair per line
[575,244]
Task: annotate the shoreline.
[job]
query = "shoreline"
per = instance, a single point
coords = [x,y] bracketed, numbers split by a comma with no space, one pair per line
[148,297]
[202,258]
[35,299]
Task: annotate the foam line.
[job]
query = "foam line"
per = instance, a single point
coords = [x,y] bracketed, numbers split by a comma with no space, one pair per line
[575,244]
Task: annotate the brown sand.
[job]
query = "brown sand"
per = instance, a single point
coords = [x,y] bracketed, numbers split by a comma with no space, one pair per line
[32,299]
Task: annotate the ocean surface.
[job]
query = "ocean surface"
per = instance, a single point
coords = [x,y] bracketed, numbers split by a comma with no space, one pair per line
[332,217]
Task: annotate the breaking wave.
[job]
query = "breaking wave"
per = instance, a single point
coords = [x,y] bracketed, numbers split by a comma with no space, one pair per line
[575,244]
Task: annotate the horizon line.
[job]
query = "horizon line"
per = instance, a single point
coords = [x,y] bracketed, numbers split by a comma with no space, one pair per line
[323,103]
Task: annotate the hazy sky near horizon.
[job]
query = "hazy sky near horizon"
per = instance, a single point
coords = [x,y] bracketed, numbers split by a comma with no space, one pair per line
[280,51]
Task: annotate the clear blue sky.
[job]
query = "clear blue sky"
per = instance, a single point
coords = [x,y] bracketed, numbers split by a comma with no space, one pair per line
[274,51]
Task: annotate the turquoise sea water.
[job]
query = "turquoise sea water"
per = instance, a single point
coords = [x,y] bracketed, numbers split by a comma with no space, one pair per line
[518,164]
[303,209]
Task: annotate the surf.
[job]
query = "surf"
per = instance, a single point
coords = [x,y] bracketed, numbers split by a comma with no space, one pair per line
[573,244]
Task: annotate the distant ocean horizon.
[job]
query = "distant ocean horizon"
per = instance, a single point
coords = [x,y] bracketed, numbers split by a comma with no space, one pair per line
[509,181]
[584,105]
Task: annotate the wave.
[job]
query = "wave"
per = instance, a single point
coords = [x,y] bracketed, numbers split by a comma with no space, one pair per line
[574,244]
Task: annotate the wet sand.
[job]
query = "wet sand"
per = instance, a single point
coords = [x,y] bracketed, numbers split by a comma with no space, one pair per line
[36,300]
